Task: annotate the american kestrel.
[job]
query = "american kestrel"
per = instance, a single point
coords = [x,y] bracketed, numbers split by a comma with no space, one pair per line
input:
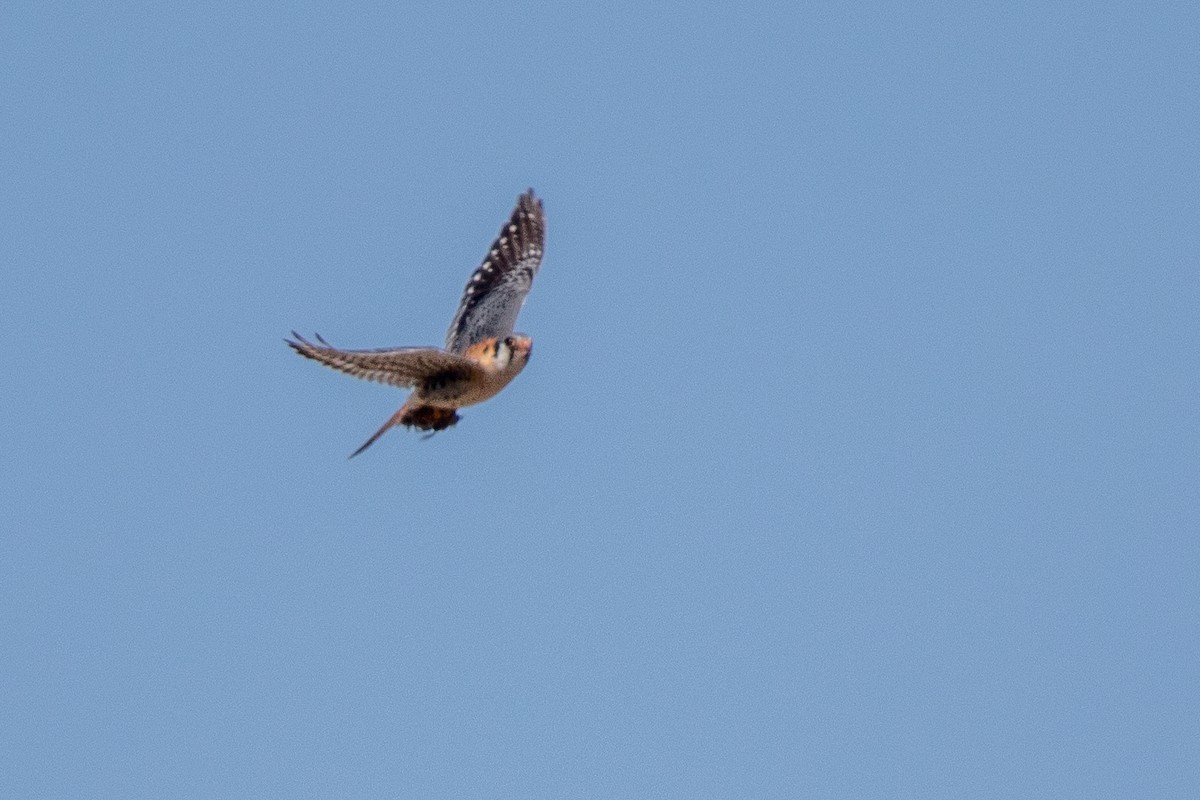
[482,354]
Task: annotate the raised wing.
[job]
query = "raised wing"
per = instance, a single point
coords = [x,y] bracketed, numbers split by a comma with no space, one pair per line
[399,366]
[497,289]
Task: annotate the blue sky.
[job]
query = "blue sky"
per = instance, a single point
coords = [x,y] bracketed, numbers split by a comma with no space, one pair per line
[856,457]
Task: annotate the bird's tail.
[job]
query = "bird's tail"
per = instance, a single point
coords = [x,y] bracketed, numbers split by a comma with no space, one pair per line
[395,420]
[421,417]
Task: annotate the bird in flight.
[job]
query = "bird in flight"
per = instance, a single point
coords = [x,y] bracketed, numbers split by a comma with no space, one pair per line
[482,354]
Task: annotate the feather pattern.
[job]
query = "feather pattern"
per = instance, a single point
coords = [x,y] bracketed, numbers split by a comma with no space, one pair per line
[496,291]
[403,367]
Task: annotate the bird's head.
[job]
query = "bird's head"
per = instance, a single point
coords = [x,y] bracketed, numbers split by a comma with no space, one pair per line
[502,354]
[517,346]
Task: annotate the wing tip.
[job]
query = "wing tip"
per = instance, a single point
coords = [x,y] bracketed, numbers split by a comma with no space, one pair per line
[304,346]
[530,202]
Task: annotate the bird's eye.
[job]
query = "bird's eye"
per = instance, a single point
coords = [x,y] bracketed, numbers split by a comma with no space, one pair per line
[510,342]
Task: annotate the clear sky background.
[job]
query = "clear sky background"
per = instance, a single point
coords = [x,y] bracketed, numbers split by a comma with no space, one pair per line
[857,456]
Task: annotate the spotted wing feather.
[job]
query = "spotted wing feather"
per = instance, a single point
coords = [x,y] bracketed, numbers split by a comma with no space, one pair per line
[497,289]
[401,366]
